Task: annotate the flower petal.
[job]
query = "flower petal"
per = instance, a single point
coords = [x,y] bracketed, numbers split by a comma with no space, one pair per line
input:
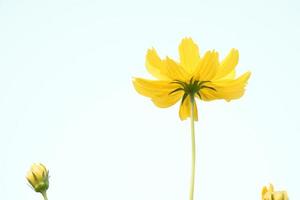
[226,89]
[185,110]
[167,100]
[159,91]
[155,65]
[264,191]
[271,188]
[226,70]
[150,88]
[207,67]
[31,178]
[175,71]
[189,54]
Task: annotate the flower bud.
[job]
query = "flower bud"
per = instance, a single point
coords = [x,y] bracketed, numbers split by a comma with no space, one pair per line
[38,177]
[270,194]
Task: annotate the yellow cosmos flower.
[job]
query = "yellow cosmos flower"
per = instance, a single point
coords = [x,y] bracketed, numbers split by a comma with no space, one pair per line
[270,194]
[195,76]
[38,177]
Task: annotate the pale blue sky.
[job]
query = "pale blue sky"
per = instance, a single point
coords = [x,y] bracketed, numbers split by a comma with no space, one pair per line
[66,100]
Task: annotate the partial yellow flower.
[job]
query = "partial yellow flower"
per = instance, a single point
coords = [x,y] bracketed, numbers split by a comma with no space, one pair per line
[270,194]
[195,76]
[38,177]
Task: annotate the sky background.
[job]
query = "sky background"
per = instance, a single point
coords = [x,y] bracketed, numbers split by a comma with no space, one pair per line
[66,100]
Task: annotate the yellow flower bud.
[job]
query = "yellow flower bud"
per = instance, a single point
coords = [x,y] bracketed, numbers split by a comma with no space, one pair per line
[270,194]
[38,177]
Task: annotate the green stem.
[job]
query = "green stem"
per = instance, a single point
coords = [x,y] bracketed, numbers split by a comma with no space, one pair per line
[44,195]
[193,149]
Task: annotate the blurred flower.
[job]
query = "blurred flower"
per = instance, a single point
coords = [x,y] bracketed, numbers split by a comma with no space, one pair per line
[38,177]
[195,76]
[270,194]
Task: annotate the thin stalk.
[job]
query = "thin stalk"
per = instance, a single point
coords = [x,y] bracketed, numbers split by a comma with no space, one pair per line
[44,195]
[193,149]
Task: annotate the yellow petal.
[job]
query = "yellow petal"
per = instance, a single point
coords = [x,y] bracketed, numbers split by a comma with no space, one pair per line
[175,71]
[271,188]
[43,167]
[231,76]
[207,67]
[158,91]
[151,88]
[185,110]
[277,196]
[227,66]
[31,178]
[285,195]
[38,171]
[189,54]
[263,192]
[155,65]
[167,100]
[226,89]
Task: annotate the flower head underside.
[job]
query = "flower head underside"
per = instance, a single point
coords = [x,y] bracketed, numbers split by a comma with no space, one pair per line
[203,77]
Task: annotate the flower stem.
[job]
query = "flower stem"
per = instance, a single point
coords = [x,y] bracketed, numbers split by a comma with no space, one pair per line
[193,149]
[44,195]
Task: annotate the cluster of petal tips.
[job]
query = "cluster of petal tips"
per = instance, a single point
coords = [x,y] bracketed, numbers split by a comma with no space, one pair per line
[194,76]
[268,193]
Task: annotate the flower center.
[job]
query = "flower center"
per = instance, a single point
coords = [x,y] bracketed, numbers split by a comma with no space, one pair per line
[191,88]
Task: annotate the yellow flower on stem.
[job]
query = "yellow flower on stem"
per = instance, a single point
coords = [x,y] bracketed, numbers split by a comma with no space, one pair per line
[203,77]
[270,194]
[38,177]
